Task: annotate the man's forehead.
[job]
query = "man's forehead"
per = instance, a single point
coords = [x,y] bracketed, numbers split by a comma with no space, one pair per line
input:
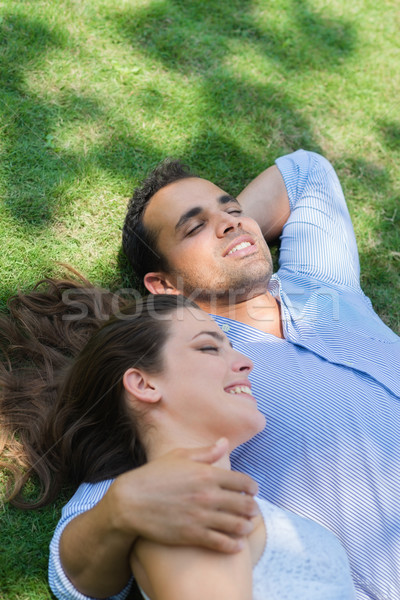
[188,190]
[174,200]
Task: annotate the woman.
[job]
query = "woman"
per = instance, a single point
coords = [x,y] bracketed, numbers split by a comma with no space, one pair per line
[162,376]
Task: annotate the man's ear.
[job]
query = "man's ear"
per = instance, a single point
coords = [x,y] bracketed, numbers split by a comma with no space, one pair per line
[159,283]
[141,386]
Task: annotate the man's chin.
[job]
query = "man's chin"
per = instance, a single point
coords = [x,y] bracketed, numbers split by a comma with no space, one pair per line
[244,294]
[229,290]
[210,300]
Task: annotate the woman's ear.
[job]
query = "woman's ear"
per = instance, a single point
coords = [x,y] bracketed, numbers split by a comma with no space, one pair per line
[141,386]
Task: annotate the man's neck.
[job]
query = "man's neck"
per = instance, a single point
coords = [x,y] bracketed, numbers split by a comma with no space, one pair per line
[262,312]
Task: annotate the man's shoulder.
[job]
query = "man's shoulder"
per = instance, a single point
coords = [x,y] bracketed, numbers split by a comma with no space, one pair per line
[86,496]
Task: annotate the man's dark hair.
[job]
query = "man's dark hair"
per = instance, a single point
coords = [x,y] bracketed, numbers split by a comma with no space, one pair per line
[139,243]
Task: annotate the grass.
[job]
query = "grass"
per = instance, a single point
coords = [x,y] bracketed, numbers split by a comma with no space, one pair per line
[94,92]
[24,553]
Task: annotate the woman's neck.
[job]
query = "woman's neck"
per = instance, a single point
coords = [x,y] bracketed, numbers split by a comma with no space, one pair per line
[160,445]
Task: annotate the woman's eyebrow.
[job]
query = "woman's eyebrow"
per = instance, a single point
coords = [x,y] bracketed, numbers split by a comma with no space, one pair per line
[214,334]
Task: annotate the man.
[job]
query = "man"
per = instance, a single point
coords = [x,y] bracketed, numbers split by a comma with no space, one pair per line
[327,370]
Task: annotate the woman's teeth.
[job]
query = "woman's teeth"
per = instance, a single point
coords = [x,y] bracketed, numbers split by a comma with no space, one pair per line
[240,389]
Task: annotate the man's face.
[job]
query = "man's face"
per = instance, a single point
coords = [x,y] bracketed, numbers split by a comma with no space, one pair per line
[215,253]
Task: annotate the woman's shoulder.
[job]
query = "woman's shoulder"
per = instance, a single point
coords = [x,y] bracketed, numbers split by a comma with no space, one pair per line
[299,551]
[191,572]
[286,524]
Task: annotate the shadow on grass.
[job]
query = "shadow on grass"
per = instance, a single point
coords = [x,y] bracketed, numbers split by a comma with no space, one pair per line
[390,131]
[37,174]
[25,537]
[191,37]
[35,169]
[379,238]
[195,40]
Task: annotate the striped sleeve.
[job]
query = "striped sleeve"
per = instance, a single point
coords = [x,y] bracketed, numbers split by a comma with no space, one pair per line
[318,239]
[87,496]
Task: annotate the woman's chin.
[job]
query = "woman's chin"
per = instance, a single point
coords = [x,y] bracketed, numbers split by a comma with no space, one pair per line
[256,426]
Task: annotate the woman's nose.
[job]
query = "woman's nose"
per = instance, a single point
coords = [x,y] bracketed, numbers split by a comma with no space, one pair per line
[242,363]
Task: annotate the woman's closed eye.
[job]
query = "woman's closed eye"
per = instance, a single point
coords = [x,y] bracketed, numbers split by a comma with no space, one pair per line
[209,348]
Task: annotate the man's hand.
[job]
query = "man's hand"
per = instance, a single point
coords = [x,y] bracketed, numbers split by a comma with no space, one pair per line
[265,199]
[181,499]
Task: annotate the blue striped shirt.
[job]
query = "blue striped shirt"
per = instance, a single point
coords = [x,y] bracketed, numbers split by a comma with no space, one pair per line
[330,392]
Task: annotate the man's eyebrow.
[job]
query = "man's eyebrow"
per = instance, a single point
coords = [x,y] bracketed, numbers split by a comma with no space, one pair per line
[193,212]
[226,198]
[196,210]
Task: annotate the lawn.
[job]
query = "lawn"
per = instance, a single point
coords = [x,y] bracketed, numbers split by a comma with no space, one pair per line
[95,92]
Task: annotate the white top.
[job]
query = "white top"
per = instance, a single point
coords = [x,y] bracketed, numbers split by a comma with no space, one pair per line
[301,560]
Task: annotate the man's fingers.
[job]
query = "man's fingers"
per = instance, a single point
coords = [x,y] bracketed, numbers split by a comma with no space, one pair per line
[209,454]
[234,526]
[196,504]
[237,482]
[217,529]
[229,480]
[213,499]
[215,540]
[242,505]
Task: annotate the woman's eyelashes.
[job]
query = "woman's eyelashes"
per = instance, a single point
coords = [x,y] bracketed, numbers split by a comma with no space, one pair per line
[209,348]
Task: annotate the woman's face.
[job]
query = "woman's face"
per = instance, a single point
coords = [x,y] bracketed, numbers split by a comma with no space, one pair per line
[204,384]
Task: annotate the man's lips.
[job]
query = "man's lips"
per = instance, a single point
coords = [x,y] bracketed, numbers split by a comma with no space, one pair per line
[242,239]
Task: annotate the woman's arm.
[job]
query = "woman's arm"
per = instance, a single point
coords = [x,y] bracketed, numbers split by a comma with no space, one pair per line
[178,573]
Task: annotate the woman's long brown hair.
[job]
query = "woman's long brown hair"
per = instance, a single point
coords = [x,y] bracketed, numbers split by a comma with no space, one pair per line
[62,415]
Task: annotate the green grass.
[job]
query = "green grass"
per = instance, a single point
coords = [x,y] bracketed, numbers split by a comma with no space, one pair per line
[24,553]
[94,92]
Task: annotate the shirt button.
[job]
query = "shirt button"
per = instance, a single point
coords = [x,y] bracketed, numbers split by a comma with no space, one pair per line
[225,327]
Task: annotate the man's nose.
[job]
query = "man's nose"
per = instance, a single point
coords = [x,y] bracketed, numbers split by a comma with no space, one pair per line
[227,223]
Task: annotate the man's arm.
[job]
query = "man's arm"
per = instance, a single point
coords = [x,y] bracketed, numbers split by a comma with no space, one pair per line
[265,199]
[318,239]
[178,499]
